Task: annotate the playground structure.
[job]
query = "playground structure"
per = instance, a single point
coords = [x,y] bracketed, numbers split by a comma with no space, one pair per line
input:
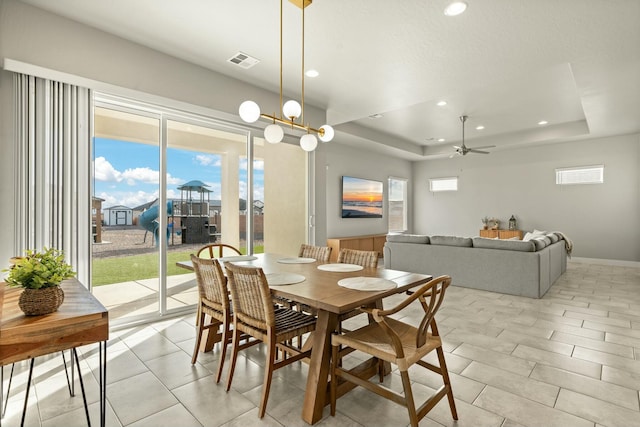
[190,214]
[194,213]
[149,221]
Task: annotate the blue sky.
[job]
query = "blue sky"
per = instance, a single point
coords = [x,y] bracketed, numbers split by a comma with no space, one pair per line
[128,173]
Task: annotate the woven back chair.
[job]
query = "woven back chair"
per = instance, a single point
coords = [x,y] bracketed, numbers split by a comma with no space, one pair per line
[393,341]
[354,256]
[363,258]
[213,300]
[217,250]
[255,314]
[319,253]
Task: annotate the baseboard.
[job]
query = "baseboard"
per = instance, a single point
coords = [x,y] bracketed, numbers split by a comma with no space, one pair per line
[620,263]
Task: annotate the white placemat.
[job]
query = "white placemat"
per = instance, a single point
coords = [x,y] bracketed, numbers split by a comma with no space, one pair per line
[297,260]
[236,258]
[340,267]
[367,283]
[276,279]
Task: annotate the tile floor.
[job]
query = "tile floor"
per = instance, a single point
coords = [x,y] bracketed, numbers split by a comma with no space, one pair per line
[571,358]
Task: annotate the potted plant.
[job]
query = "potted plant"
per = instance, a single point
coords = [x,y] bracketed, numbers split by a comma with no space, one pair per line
[485,222]
[40,275]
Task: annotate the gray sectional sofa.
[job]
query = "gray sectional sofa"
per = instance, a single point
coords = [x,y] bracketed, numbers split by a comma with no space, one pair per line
[516,267]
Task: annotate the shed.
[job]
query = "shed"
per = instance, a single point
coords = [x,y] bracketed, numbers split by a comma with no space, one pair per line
[118,215]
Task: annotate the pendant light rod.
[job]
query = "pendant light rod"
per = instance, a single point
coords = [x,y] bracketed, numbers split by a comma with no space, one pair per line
[280,56]
[302,98]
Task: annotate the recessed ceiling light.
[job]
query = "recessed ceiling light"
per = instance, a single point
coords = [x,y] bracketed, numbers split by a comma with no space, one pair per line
[441,103]
[542,122]
[441,140]
[455,8]
[375,116]
[312,73]
[479,127]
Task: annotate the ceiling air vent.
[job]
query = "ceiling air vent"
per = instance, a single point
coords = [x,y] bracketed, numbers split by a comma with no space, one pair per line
[243,60]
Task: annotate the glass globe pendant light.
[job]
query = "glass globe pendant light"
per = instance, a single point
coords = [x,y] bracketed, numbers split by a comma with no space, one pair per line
[249,111]
[308,142]
[273,133]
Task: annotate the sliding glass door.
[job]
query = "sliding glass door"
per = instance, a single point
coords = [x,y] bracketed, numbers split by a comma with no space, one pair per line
[167,183]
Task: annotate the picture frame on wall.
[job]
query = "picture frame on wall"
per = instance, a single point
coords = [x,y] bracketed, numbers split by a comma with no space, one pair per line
[361,198]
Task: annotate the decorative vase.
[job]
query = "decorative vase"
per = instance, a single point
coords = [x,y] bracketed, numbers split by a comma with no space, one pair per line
[34,302]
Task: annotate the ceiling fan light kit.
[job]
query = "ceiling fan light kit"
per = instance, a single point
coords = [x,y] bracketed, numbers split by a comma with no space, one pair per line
[250,112]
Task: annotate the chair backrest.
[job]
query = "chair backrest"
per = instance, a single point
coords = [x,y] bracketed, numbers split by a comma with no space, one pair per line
[430,296]
[212,284]
[363,258]
[217,250]
[319,253]
[250,295]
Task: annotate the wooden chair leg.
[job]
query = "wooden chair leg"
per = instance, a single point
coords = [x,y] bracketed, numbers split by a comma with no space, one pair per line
[234,355]
[268,374]
[334,379]
[226,335]
[447,382]
[200,329]
[408,397]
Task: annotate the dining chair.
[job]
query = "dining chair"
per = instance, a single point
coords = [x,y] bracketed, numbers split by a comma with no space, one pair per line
[354,256]
[363,258]
[217,250]
[399,343]
[319,253]
[254,314]
[213,300]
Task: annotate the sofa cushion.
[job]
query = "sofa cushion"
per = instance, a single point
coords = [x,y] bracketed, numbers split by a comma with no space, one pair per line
[407,238]
[541,242]
[553,236]
[451,241]
[510,245]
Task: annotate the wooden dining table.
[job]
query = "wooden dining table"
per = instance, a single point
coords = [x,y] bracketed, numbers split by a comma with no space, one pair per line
[80,320]
[321,291]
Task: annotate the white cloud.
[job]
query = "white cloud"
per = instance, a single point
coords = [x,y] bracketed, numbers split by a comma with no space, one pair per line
[146,175]
[104,171]
[208,160]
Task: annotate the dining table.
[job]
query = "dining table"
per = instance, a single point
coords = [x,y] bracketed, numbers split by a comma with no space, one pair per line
[331,289]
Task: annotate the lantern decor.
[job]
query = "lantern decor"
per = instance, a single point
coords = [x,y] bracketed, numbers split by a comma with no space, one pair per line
[512,223]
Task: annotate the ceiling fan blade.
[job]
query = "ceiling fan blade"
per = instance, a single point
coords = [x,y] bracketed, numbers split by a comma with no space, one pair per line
[483,147]
[473,150]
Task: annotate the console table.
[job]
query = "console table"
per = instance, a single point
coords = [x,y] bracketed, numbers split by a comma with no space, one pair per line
[374,242]
[80,320]
[501,234]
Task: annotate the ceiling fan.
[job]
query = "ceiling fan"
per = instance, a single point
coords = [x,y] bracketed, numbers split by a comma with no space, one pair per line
[463,149]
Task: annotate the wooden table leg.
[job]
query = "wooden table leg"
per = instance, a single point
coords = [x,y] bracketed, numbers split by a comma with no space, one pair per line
[318,377]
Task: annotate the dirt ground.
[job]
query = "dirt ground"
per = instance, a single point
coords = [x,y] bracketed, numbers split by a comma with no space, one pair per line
[119,241]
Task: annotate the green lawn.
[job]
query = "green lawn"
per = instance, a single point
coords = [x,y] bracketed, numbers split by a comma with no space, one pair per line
[136,267]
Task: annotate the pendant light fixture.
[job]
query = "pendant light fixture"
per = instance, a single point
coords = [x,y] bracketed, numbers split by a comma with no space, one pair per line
[250,111]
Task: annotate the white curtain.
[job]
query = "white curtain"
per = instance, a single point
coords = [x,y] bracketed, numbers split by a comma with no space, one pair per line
[53,147]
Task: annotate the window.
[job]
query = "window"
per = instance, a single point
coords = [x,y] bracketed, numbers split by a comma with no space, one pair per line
[443,184]
[397,204]
[580,175]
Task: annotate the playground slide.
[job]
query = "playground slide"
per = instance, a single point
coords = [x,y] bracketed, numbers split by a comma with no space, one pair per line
[149,220]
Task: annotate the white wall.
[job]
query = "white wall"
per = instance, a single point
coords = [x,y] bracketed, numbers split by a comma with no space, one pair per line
[602,220]
[341,160]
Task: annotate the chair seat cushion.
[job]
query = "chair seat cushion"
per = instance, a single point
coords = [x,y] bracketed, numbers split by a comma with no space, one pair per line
[373,340]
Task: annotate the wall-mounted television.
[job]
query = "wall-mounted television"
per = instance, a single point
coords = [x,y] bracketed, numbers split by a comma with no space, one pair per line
[361,198]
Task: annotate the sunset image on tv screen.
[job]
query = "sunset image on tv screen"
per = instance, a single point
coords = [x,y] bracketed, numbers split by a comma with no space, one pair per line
[361,198]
